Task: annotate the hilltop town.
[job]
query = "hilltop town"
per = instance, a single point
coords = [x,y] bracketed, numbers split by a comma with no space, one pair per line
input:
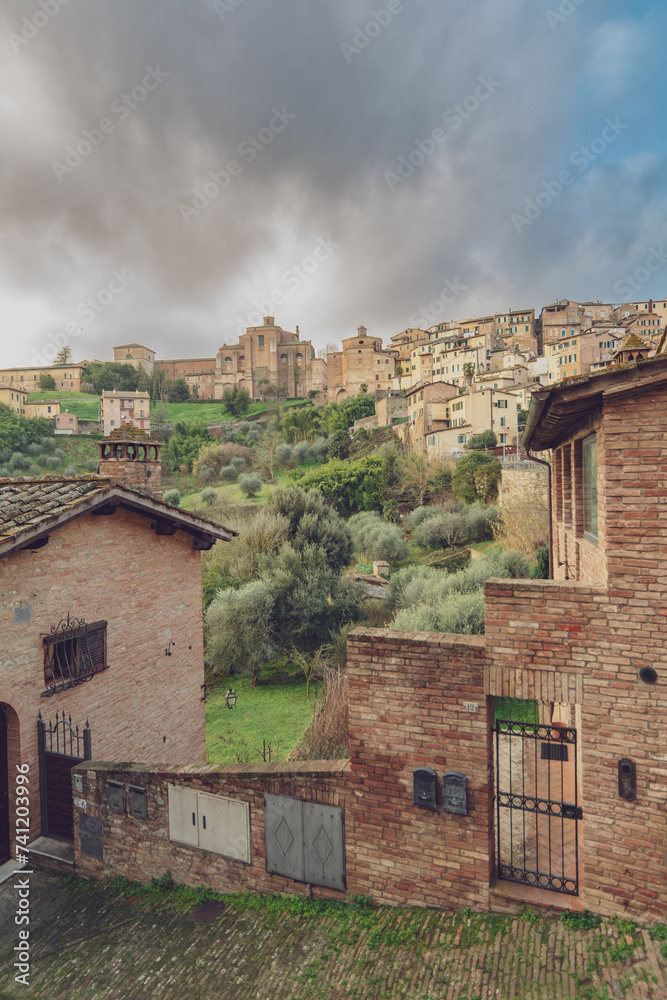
[448,382]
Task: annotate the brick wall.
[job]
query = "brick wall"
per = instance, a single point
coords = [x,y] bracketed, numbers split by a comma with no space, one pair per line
[406,696]
[410,694]
[141,849]
[584,645]
[148,589]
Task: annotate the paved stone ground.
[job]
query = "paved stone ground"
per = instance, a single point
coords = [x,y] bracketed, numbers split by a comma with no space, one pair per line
[90,942]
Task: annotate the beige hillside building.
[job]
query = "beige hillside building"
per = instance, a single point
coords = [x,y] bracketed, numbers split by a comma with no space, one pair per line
[264,354]
[68,377]
[120,407]
[362,361]
[136,355]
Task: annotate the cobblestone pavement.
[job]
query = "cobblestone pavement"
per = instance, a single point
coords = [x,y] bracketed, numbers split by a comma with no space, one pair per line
[92,942]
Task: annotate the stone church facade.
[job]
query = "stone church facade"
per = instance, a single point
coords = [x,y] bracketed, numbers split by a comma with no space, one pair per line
[266,354]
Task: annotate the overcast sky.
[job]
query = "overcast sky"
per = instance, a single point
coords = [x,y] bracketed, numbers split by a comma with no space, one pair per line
[172,170]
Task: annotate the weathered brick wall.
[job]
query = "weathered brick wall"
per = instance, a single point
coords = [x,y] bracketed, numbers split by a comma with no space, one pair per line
[141,849]
[145,705]
[585,645]
[406,696]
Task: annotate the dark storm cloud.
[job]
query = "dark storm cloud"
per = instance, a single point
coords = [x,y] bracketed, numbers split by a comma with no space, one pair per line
[227,138]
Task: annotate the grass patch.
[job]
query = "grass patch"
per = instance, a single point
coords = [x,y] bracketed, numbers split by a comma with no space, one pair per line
[83,405]
[277,711]
[230,493]
[212,411]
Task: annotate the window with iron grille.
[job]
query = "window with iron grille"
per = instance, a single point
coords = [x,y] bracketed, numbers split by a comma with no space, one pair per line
[74,651]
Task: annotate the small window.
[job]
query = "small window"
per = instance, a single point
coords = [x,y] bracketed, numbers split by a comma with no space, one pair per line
[589,452]
[73,651]
[260,340]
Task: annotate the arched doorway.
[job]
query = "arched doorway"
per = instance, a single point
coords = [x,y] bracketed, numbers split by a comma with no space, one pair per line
[4,791]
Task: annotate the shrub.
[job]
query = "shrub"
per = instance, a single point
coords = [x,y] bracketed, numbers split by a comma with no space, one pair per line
[476,477]
[283,454]
[318,449]
[238,462]
[205,474]
[228,473]
[52,462]
[71,470]
[419,515]
[59,453]
[540,570]
[34,448]
[339,445]
[19,461]
[375,539]
[327,735]
[209,495]
[92,464]
[301,452]
[352,486]
[311,521]
[441,531]
[238,630]
[172,496]
[460,613]
[48,444]
[216,456]
[250,484]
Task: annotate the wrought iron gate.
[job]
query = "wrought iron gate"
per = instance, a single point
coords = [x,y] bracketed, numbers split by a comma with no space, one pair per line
[61,746]
[537,805]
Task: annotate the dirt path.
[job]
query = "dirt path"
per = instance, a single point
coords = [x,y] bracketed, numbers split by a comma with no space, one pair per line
[94,943]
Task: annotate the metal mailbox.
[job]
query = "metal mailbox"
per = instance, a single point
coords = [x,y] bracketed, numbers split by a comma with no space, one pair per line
[425,788]
[138,803]
[455,793]
[116,796]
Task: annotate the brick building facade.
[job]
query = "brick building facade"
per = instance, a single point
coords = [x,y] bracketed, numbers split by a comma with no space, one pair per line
[86,549]
[430,814]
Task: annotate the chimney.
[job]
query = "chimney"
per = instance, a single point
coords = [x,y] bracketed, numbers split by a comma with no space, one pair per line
[129,456]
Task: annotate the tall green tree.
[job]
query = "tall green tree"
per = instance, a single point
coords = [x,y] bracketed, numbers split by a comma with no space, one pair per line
[64,356]
[476,477]
[236,401]
[110,375]
[46,381]
[177,391]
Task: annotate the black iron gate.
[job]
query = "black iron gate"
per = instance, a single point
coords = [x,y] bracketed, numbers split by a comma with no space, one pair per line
[61,746]
[537,805]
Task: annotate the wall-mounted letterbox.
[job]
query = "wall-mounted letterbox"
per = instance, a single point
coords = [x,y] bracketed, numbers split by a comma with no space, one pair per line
[455,793]
[116,796]
[138,804]
[425,788]
[627,779]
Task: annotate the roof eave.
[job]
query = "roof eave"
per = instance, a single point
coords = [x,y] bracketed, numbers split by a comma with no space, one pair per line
[119,496]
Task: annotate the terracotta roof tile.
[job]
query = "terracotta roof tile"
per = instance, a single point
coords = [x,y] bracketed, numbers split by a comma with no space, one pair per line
[28,502]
